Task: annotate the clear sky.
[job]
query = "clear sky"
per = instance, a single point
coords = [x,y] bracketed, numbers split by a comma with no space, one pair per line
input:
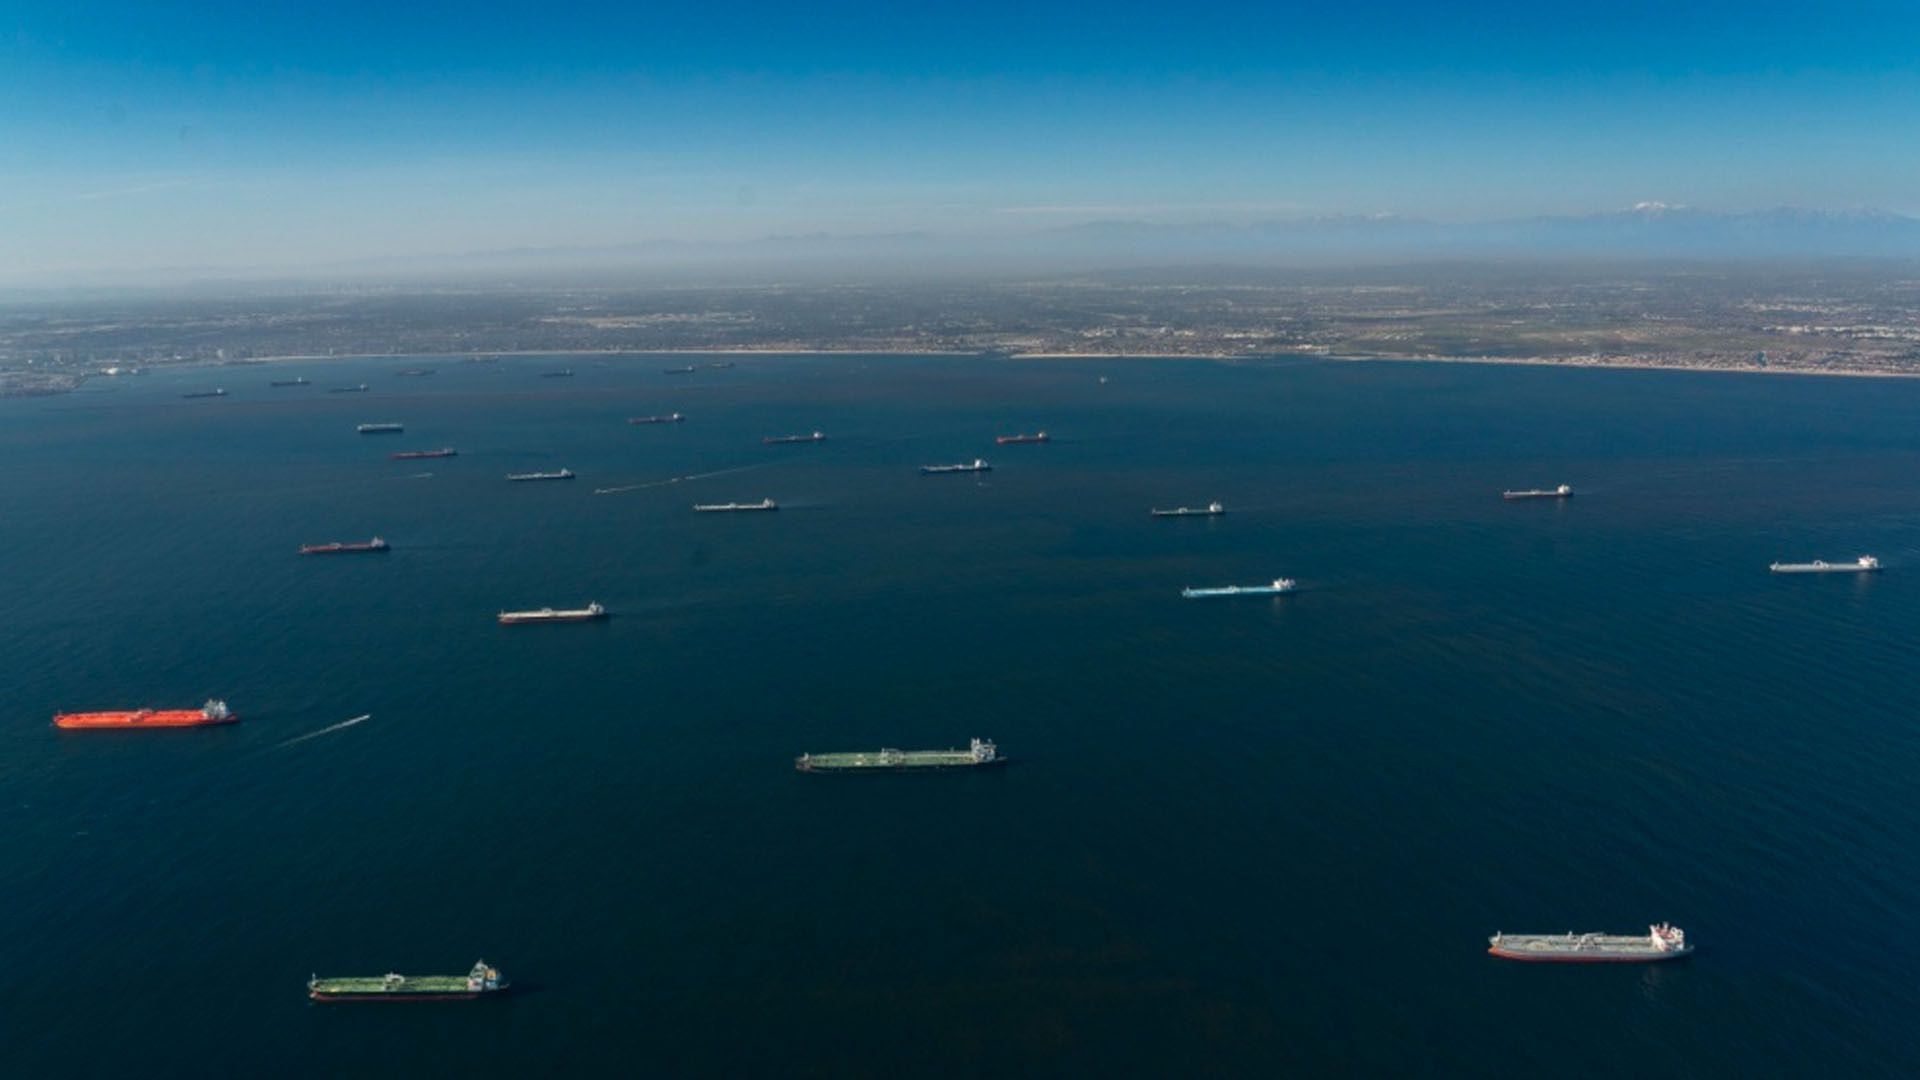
[140,135]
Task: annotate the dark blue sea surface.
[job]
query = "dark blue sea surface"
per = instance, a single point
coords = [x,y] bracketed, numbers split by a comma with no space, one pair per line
[1248,837]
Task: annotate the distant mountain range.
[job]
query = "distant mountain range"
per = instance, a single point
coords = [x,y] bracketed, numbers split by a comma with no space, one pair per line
[1649,230]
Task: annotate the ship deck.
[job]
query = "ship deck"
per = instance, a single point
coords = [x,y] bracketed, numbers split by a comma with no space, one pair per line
[892,759]
[1573,945]
[377,984]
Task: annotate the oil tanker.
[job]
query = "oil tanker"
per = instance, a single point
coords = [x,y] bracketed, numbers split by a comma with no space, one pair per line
[338,548]
[524,477]
[290,382]
[977,465]
[214,711]
[1212,509]
[384,427]
[668,418]
[1279,586]
[482,980]
[979,754]
[547,614]
[1660,942]
[414,455]
[734,508]
[1011,440]
[782,440]
[1562,492]
[205,394]
[1865,564]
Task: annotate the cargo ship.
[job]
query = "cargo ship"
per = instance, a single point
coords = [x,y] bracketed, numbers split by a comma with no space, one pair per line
[415,455]
[563,373]
[669,418]
[415,372]
[1561,492]
[976,465]
[1212,509]
[206,393]
[688,370]
[387,427]
[1661,942]
[357,388]
[779,440]
[338,548]
[980,753]
[1280,585]
[547,614]
[1865,564]
[214,711]
[734,508]
[721,365]
[522,477]
[1011,440]
[394,987]
[290,382]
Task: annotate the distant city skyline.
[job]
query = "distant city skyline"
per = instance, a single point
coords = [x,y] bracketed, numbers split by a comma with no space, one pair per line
[137,138]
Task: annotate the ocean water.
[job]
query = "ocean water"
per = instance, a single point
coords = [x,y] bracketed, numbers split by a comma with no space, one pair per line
[1258,837]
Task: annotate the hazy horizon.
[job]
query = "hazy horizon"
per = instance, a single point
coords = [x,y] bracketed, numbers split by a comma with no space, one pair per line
[137,141]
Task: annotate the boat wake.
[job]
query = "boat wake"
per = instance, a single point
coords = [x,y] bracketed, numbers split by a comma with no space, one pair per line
[328,730]
[682,479]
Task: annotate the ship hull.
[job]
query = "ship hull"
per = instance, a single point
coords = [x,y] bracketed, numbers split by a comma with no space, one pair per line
[134,720]
[322,995]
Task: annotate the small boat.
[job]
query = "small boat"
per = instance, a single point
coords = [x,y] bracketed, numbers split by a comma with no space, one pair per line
[669,418]
[541,615]
[563,373]
[216,392]
[522,477]
[339,548]
[415,455]
[688,370]
[392,986]
[290,382]
[1280,585]
[1011,440]
[385,427]
[358,388]
[781,440]
[1561,492]
[214,711]
[1865,564]
[977,465]
[1661,942]
[734,508]
[1212,509]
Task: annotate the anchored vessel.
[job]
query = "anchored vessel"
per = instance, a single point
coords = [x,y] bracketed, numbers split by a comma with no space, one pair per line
[547,614]
[563,474]
[1561,492]
[1008,440]
[214,711]
[338,548]
[1280,585]
[980,753]
[976,466]
[734,508]
[205,393]
[1863,565]
[290,382]
[415,372]
[563,373]
[357,388]
[395,987]
[412,455]
[388,427]
[670,418]
[776,440]
[1660,942]
[1212,509]
[688,370]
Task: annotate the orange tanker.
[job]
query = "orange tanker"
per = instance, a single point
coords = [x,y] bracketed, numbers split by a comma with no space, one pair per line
[213,712]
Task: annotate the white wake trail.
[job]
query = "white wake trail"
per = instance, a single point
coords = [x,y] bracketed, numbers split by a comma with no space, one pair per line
[328,730]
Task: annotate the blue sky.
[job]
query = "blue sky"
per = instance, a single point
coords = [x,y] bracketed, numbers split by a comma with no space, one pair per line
[138,136]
